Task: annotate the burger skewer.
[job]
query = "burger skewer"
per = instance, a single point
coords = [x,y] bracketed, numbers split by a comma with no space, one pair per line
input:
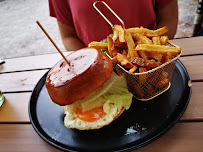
[52,41]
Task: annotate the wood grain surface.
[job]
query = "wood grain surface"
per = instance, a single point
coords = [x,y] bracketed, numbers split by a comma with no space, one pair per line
[194,111]
[15,108]
[20,81]
[183,137]
[19,76]
[22,138]
[26,80]
[194,65]
[189,46]
[31,62]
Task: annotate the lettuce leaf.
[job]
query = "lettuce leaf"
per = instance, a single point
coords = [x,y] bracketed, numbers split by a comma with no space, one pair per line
[119,94]
[114,91]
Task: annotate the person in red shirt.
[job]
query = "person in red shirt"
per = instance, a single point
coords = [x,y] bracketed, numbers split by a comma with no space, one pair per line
[79,23]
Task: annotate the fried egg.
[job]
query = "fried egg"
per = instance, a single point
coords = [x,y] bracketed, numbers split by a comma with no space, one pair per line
[93,119]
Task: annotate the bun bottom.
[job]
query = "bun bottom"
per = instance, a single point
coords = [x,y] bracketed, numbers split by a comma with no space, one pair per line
[71,120]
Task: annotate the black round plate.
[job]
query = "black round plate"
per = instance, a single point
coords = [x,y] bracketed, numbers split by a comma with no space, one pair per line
[143,123]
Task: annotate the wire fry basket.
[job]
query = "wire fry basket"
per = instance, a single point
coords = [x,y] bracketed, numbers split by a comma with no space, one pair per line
[147,85]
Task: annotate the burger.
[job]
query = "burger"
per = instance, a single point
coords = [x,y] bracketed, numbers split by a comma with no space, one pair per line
[93,95]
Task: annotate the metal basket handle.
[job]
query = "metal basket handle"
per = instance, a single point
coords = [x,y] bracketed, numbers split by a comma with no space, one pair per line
[94,5]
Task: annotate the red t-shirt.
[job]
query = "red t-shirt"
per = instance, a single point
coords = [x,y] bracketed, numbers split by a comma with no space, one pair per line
[90,26]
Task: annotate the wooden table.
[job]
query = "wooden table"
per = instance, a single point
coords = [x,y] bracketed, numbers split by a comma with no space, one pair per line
[19,76]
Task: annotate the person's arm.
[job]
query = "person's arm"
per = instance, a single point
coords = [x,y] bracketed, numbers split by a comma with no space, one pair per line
[69,37]
[168,16]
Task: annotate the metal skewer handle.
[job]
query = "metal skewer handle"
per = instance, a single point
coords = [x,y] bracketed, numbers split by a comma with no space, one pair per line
[94,5]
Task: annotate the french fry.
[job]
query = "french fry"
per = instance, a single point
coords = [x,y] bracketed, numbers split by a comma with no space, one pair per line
[114,52]
[131,45]
[110,44]
[114,60]
[164,75]
[120,45]
[142,78]
[133,69]
[98,45]
[125,52]
[138,90]
[124,61]
[120,32]
[115,34]
[141,38]
[144,63]
[168,57]
[162,83]
[144,31]
[149,89]
[144,40]
[154,77]
[156,56]
[158,49]
[143,55]
[164,40]
[161,31]
[147,32]
[160,79]
[156,40]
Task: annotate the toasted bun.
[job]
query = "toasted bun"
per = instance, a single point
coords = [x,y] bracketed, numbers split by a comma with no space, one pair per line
[87,70]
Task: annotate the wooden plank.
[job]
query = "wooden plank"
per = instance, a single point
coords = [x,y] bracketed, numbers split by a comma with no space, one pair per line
[22,138]
[183,137]
[190,46]
[25,81]
[15,108]
[31,62]
[194,65]
[194,111]
[20,81]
